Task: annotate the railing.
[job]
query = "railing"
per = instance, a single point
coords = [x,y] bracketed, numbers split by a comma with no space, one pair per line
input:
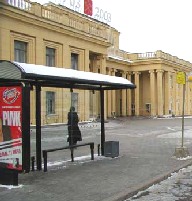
[75,23]
[147,55]
[21,4]
[174,59]
[119,54]
[49,14]
[163,55]
[58,14]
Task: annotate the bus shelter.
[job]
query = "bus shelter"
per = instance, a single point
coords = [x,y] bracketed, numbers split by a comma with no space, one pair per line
[16,81]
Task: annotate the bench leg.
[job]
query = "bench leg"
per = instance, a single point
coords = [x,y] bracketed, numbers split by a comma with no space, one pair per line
[45,161]
[98,149]
[92,151]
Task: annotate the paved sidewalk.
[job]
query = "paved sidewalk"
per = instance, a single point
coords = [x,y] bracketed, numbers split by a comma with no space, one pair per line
[146,157]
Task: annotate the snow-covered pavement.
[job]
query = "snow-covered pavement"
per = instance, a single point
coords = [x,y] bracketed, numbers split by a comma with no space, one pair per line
[178,187]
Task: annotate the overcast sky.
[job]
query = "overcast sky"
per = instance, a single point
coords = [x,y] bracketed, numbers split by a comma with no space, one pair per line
[150,25]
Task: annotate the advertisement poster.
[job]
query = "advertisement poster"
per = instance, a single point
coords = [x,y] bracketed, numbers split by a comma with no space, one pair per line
[10,127]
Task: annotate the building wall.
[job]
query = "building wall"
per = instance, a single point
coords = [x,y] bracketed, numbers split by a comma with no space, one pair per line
[66,38]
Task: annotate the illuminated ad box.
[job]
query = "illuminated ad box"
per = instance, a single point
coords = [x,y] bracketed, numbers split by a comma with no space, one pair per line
[11,127]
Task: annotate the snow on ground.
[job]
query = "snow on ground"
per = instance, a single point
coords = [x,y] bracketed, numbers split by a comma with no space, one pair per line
[64,164]
[77,160]
[177,186]
[10,186]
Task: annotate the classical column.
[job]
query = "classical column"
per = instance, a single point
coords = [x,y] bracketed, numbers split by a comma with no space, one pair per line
[129,96]
[124,105]
[174,94]
[160,92]
[180,98]
[109,98]
[187,97]
[153,92]
[113,97]
[167,93]
[103,64]
[137,105]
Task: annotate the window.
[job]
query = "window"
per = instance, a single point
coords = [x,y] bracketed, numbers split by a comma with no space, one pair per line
[74,61]
[50,102]
[132,109]
[148,107]
[50,56]
[74,100]
[20,51]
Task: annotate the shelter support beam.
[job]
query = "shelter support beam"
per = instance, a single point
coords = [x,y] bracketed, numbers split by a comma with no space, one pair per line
[26,127]
[38,127]
[102,122]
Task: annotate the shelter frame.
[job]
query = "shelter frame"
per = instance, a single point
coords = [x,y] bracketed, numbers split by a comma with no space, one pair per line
[30,75]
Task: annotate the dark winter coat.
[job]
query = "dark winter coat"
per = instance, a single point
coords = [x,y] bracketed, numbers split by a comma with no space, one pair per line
[73,128]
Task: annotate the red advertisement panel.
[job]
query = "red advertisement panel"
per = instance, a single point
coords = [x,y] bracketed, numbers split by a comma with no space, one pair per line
[10,127]
[88,7]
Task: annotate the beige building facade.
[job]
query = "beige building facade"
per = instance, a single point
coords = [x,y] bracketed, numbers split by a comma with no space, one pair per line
[53,35]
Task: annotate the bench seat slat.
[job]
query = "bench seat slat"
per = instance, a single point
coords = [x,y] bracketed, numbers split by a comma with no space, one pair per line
[45,152]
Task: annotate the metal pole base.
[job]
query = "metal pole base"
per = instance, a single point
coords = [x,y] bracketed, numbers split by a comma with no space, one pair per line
[181,152]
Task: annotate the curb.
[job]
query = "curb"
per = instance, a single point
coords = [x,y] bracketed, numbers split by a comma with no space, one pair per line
[88,126]
[81,124]
[122,196]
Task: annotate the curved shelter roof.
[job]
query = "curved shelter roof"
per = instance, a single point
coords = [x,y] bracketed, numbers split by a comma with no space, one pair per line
[60,77]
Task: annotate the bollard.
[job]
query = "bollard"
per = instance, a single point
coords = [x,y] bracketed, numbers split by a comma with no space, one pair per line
[98,149]
[33,163]
[92,151]
[45,160]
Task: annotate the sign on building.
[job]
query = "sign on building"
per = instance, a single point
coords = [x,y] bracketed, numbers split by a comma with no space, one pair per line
[180,78]
[91,8]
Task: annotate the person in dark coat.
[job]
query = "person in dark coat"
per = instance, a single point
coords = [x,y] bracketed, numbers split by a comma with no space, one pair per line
[73,128]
